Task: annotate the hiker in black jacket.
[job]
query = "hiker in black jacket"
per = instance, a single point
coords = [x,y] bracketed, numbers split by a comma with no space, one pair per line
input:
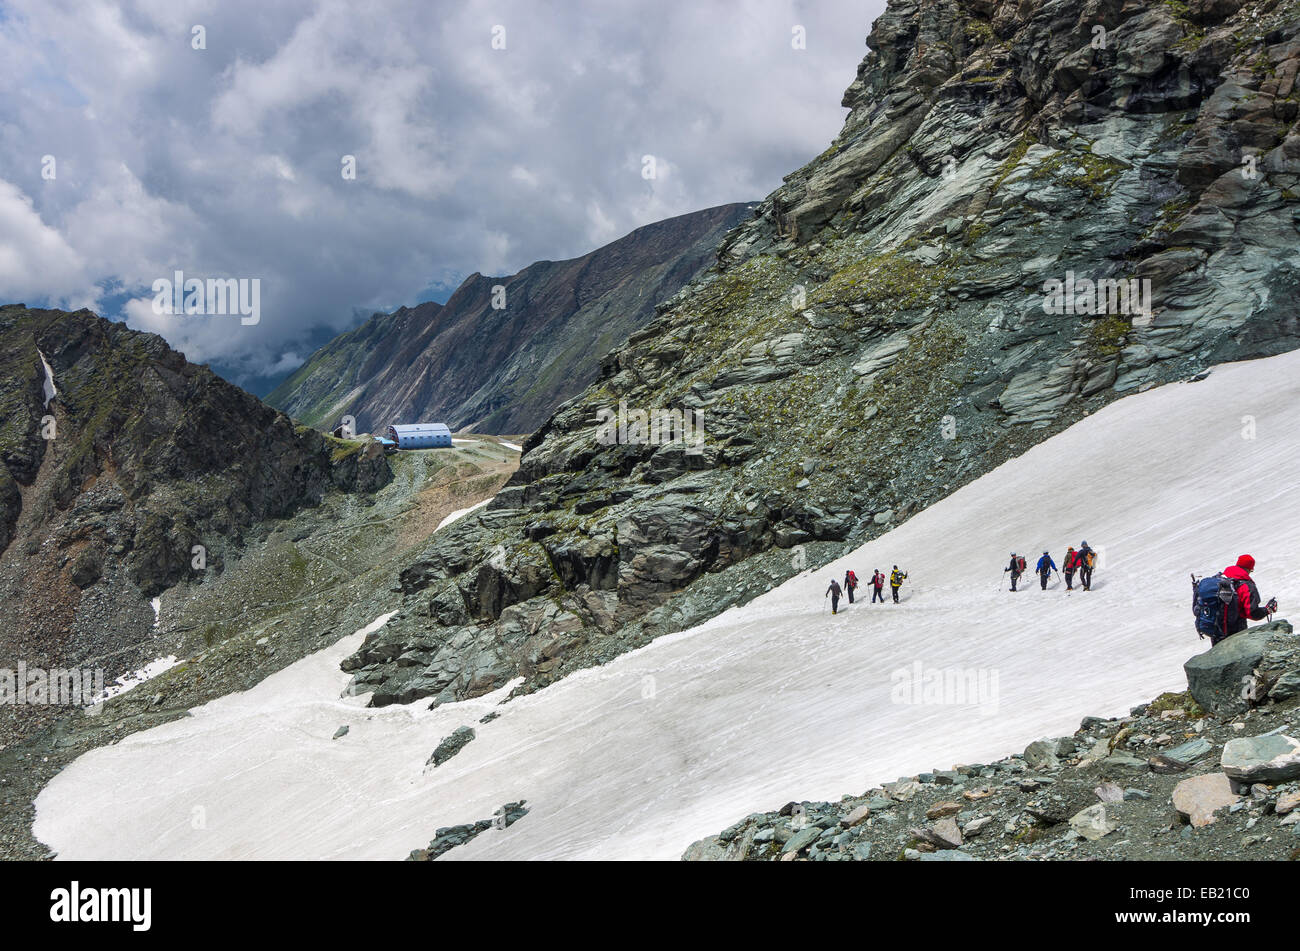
[1086,558]
[877,586]
[834,592]
[1015,569]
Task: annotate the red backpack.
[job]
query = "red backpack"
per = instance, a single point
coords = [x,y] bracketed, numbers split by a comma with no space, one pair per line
[1020,563]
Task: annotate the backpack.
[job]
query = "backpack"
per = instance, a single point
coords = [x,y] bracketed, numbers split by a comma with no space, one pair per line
[1214,602]
[1020,563]
[853,579]
[1089,558]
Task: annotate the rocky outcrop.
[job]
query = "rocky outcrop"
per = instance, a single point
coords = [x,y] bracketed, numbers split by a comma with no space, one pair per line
[504,351]
[448,838]
[884,329]
[1242,670]
[457,741]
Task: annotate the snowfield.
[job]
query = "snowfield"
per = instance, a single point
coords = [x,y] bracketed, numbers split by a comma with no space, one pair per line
[773,701]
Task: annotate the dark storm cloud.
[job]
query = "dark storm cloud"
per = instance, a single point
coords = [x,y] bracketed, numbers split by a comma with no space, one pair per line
[226,161]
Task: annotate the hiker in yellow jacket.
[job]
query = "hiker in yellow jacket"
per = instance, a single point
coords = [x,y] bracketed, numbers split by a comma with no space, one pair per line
[896,578]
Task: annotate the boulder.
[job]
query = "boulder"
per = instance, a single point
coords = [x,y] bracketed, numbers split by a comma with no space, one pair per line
[941,810]
[1215,677]
[1286,687]
[1042,754]
[1262,759]
[1197,799]
[857,816]
[943,834]
[902,790]
[1095,822]
[1190,751]
[1109,792]
[802,839]
[705,850]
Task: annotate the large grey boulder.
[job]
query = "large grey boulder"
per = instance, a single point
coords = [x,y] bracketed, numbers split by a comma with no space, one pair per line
[1272,758]
[1042,754]
[1216,677]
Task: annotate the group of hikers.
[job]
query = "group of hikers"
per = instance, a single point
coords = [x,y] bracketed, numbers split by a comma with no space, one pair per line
[1079,560]
[835,592]
[1222,604]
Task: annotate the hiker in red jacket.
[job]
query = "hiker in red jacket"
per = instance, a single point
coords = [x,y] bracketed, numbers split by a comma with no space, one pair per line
[1070,566]
[877,585]
[1247,594]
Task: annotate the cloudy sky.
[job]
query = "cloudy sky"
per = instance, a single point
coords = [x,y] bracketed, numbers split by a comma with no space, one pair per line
[141,138]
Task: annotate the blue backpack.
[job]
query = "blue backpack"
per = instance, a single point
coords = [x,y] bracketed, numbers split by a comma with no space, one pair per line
[1214,602]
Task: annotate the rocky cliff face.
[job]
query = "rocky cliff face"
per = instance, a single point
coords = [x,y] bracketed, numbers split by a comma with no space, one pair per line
[501,361]
[117,457]
[878,334]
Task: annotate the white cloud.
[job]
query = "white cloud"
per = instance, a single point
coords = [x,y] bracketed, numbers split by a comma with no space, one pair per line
[226,161]
[35,260]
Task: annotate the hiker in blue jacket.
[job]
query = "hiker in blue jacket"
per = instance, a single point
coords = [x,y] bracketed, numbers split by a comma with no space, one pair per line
[1045,568]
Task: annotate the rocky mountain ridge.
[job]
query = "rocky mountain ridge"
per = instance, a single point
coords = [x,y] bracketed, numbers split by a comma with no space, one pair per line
[504,351]
[117,459]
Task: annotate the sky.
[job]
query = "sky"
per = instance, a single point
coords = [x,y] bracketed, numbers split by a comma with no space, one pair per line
[352,158]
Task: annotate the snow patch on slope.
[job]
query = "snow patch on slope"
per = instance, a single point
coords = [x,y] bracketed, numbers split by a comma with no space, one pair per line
[134,679]
[460,513]
[51,390]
